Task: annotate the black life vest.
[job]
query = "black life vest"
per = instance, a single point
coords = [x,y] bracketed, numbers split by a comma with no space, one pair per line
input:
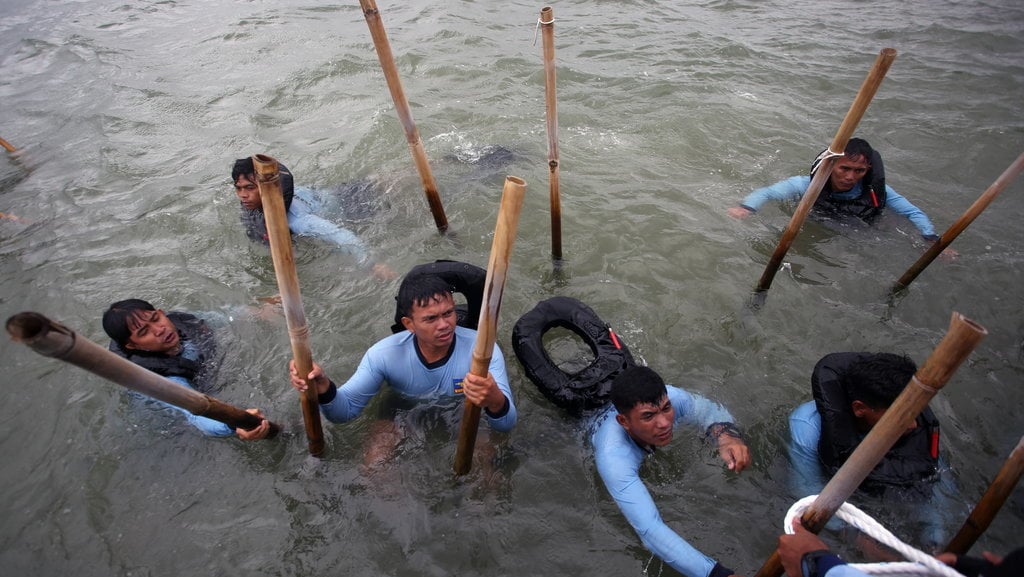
[588,388]
[255,222]
[190,328]
[866,206]
[911,463]
[465,279]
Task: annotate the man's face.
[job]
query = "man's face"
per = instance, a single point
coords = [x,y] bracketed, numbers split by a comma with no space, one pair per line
[248,192]
[434,323]
[847,172]
[152,331]
[649,424]
[868,417]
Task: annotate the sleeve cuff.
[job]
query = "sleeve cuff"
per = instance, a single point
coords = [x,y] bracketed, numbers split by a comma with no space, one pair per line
[328,395]
[750,208]
[720,570]
[504,411]
[930,237]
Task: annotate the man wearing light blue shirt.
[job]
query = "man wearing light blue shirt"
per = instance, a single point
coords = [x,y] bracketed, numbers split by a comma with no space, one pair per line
[643,416]
[856,188]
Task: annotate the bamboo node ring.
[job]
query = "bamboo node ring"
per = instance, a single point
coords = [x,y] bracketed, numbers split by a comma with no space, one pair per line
[926,388]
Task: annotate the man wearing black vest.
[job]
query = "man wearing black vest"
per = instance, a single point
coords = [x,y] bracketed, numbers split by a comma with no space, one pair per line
[175,345]
[851,393]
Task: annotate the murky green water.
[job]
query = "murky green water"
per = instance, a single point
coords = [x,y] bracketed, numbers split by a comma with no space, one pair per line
[128,116]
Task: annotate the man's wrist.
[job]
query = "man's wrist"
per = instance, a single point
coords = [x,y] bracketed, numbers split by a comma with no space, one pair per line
[328,395]
[716,430]
[817,563]
[502,411]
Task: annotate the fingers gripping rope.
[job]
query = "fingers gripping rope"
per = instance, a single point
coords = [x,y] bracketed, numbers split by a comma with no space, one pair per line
[922,563]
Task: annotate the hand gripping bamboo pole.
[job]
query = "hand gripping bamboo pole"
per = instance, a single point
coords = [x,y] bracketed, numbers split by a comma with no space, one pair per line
[996,494]
[962,223]
[268,180]
[412,135]
[547,24]
[963,336]
[52,339]
[853,116]
[487,331]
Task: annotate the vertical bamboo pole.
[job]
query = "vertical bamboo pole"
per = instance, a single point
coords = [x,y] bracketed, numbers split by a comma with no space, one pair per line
[962,223]
[547,24]
[963,336]
[860,104]
[996,494]
[52,339]
[268,179]
[487,330]
[412,135]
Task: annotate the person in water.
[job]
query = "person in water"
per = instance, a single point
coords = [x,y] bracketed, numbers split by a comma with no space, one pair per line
[852,391]
[428,361]
[642,417]
[299,205]
[856,188]
[175,345]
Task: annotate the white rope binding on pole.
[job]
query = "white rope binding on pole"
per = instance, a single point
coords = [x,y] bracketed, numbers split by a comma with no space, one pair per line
[921,562]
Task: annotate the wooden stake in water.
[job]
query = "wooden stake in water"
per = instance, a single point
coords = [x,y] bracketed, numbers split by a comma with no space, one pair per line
[412,135]
[547,25]
[487,329]
[963,336]
[853,116]
[962,223]
[51,339]
[269,182]
[996,494]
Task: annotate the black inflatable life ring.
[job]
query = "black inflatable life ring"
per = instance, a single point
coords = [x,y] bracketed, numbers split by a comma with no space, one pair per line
[590,387]
[465,279]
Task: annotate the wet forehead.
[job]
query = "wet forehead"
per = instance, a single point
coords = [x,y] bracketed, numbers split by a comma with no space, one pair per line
[434,304]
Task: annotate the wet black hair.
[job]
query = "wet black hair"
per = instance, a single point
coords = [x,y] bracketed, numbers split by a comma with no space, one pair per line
[115,320]
[858,147]
[420,290]
[245,167]
[637,385]
[877,380]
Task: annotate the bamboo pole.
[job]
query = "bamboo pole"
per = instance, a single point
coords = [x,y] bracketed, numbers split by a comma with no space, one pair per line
[547,24]
[962,223]
[412,135]
[7,145]
[853,116]
[996,494]
[963,336]
[52,339]
[487,330]
[268,180]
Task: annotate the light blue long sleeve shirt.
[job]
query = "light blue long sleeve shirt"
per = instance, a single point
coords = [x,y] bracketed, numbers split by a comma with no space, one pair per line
[618,460]
[794,187]
[394,359]
[205,425]
[303,220]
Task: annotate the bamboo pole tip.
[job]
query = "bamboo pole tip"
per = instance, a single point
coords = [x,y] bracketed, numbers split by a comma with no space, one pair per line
[27,325]
[515,180]
[889,52]
[960,320]
[545,11]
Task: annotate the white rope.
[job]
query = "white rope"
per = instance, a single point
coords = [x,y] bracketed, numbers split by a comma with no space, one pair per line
[827,153]
[922,563]
[536,31]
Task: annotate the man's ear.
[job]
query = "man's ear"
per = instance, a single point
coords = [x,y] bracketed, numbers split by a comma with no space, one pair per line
[621,419]
[407,323]
[129,345]
[859,409]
